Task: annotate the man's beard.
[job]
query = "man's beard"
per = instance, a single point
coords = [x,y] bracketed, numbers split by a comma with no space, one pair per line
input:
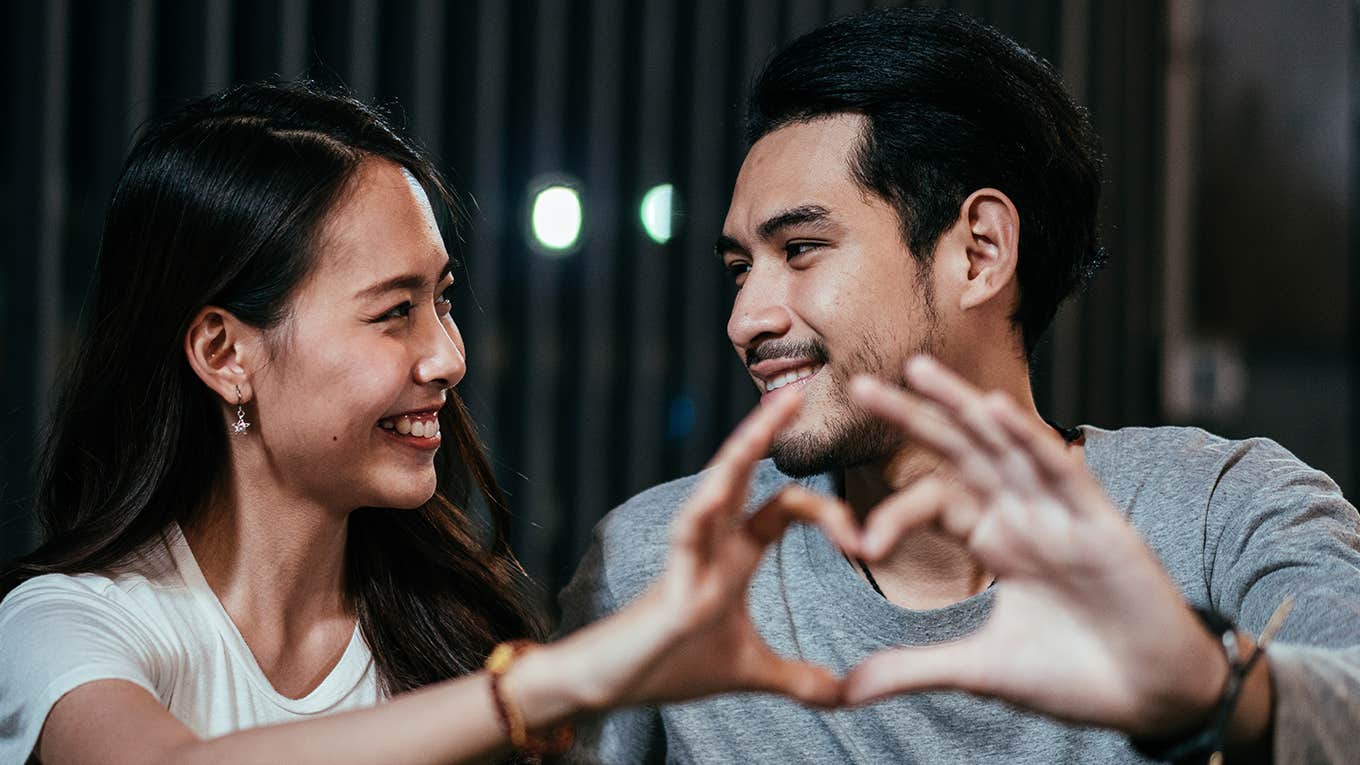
[855,437]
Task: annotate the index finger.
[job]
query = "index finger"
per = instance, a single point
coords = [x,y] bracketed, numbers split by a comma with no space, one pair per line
[753,435]
[724,484]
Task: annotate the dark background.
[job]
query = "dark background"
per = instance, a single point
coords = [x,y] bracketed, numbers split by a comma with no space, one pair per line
[1230,128]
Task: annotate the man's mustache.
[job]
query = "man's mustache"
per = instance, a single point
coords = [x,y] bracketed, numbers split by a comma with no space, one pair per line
[812,350]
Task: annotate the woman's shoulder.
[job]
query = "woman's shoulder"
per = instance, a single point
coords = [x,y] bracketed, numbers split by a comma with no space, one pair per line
[60,631]
[135,590]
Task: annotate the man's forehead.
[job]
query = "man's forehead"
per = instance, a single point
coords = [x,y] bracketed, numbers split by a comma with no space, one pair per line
[800,165]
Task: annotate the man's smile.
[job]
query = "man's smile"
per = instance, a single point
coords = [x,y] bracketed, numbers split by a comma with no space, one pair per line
[772,374]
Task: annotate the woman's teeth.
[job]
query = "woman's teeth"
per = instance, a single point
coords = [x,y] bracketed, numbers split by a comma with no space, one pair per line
[788,377]
[407,426]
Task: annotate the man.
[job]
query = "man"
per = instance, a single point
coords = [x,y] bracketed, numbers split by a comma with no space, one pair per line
[920,196]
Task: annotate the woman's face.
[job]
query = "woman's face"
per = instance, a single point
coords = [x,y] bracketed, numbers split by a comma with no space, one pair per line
[347,407]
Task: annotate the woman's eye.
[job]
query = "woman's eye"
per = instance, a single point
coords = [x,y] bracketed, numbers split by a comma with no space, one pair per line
[396,312]
[444,302]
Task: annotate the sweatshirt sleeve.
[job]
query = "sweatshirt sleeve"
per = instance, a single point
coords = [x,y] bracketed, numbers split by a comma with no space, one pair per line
[1276,528]
[631,736]
[56,635]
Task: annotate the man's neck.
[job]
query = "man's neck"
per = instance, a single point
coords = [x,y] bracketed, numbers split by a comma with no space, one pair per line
[927,568]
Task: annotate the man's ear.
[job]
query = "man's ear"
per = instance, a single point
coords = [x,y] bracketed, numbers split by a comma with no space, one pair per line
[222,351]
[992,242]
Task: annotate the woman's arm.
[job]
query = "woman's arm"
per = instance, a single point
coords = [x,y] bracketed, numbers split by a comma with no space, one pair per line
[115,721]
[688,636]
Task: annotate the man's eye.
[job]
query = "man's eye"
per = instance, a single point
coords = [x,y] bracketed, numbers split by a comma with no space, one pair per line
[737,268]
[793,249]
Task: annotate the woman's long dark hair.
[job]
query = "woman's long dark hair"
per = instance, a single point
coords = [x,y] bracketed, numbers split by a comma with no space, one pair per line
[220,203]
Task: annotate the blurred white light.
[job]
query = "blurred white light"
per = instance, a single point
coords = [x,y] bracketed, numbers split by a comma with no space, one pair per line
[656,212]
[556,217]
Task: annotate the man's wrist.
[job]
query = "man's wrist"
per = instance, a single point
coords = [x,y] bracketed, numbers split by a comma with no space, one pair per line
[1186,690]
[1240,719]
[1249,731]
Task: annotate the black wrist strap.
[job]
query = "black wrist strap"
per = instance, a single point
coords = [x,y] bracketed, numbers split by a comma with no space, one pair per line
[1206,744]
[1202,745]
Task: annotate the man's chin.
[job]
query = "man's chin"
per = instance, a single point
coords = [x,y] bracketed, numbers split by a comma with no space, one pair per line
[802,455]
[799,465]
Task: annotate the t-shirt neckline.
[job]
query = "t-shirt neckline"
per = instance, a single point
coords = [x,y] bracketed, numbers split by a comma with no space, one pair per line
[347,673]
[883,622]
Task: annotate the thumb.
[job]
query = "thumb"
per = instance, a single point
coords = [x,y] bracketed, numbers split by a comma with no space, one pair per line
[808,683]
[955,665]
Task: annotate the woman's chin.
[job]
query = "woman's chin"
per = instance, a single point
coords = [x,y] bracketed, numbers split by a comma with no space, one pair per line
[407,491]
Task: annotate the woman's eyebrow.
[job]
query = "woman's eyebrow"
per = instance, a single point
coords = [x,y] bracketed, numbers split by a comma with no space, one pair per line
[404,282]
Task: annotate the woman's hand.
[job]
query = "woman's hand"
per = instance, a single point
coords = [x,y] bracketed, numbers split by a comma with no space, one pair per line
[690,634]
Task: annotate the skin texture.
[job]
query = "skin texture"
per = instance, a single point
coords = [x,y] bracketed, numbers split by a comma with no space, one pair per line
[271,545]
[956,477]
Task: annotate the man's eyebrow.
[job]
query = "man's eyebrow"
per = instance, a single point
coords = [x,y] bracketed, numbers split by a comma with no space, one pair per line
[816,216]
[726,244]
[403,283]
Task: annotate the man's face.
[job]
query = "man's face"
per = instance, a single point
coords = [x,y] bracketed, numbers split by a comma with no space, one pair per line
[826,289]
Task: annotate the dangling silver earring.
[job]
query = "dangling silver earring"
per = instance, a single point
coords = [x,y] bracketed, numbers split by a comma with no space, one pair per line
[240,425]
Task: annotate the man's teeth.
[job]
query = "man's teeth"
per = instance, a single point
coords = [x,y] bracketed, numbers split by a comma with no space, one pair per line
[788,377]
[406,426]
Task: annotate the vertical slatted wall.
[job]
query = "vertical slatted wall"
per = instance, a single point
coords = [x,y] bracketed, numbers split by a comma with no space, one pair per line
[592,375]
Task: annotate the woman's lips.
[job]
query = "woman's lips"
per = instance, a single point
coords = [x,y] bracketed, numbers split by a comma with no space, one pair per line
[420,430]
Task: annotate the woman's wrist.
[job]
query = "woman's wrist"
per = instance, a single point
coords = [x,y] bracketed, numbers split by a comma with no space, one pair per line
[542,688]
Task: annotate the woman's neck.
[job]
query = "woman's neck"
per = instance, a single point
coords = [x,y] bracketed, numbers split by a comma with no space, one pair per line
[271,558]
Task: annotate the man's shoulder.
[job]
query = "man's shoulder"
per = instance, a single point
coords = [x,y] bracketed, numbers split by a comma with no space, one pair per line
[630,543]
[1184,446]
[1184,460]
[648,514]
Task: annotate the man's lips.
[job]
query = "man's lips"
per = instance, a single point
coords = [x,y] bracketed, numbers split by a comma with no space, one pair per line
[772,374]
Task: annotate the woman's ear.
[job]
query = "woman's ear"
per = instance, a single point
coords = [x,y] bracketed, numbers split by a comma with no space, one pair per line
[222,351]
[992,242]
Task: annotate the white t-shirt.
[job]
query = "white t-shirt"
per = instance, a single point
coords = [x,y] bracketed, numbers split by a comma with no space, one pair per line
[155,623]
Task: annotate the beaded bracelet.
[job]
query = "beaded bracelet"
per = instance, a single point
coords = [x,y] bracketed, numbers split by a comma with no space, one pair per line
[497,664]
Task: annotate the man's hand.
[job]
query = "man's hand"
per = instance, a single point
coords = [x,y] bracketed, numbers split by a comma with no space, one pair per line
[1086,625]
[690,634]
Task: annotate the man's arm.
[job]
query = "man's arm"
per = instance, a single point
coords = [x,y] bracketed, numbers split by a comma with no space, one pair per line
[1087,626]
[632,735]
[1278,529]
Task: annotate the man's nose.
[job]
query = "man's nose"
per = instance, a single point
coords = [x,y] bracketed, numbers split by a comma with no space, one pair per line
[760,310]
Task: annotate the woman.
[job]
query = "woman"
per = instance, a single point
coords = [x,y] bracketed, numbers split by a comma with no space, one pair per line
[255,531]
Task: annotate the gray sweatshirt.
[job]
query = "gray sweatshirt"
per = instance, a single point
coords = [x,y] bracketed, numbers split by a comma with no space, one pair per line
[1239,525]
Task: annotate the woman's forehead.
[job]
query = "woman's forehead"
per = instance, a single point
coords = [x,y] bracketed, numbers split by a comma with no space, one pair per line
[383,223]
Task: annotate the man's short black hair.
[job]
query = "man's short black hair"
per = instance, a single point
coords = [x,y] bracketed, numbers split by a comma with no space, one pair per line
[953,106]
